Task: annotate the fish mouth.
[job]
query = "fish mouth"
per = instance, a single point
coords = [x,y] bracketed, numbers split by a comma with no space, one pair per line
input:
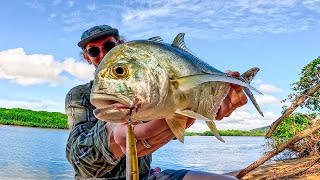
[111,108]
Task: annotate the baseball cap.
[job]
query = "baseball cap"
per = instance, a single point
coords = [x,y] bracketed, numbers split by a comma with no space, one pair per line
[96,32]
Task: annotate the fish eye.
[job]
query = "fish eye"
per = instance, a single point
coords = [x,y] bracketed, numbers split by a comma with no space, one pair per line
[120,71]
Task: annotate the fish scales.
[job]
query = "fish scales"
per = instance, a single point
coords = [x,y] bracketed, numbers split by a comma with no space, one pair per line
[161,78]
[154,80]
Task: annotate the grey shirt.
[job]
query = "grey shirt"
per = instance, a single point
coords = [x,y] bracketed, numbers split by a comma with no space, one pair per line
[87,146]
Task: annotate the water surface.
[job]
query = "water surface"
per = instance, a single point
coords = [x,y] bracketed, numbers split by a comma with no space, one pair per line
[36,153]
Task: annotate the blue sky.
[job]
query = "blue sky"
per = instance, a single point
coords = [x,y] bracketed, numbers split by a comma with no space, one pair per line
[40,61]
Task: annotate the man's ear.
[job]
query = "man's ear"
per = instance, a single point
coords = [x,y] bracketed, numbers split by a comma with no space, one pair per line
[86,57]
[121,41]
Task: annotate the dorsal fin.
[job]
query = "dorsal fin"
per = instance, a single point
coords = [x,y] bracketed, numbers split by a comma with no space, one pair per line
[179,43]
[156,39]
[248,76]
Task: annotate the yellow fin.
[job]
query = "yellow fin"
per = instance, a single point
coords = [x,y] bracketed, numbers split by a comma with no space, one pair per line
[248,76]
[177,124]
[192,114]
[214,130]
[209,122]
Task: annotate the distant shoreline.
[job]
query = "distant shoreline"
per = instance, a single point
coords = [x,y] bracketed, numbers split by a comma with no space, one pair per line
[222,132]
[56,120]
[18,126]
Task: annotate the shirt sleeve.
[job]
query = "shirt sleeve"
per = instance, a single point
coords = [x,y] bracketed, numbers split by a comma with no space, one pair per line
[87,146]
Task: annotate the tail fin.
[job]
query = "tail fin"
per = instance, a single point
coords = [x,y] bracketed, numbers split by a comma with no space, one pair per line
[248,76]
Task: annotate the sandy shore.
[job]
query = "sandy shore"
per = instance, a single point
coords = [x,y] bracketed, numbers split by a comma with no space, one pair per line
[302,169]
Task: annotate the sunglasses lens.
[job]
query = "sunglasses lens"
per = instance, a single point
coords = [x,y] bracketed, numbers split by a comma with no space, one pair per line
[108,46]
[94,51]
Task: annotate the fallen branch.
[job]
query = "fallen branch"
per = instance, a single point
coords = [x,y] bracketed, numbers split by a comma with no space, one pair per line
[296,170]
[280,148]
[299,100]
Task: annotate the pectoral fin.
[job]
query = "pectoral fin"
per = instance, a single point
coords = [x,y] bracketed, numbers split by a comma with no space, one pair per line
[192,114]
[188,82]
[177,124]
[209,122]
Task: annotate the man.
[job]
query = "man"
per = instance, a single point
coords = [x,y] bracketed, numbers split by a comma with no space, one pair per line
[96,149]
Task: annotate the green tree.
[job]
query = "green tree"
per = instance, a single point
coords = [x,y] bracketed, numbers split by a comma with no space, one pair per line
[310,76]
[306,95]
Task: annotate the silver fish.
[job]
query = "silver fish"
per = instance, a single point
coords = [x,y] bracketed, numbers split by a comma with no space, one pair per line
[149,79]
[162,80]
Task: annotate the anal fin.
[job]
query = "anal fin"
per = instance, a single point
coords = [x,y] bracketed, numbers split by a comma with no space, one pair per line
[177,124]
[213,128]
[209,122]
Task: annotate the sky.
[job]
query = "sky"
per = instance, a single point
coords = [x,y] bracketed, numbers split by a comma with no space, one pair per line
[40,60]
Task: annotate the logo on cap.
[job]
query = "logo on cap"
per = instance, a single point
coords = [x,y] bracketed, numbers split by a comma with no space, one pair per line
[96,31]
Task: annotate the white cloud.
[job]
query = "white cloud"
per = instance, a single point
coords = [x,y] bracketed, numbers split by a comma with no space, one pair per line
[229,19]
[269,88]
[51,17]
[35,4]
[92,7]
[257,81]
[29,69]
[78,69]
[219,19]
[267,99]
[198,126]
[37,105]
[71,3]
[56,2]
[239,119]
[313,5]
[243,119]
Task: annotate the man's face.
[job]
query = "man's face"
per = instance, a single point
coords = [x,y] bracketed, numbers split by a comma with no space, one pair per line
[95,50]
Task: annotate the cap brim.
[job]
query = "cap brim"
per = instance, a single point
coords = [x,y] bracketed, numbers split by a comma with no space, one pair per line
[85,41]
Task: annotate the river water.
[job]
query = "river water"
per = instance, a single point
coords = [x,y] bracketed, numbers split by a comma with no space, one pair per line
[37,153]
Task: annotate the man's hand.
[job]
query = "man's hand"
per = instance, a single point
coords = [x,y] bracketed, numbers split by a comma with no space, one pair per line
[156,133]
[235,98]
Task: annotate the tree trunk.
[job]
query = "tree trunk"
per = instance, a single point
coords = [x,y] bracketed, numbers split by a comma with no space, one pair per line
[299,100]
[280,148]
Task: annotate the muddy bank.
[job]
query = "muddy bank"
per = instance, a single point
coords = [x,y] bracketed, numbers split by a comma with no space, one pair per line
[302,168]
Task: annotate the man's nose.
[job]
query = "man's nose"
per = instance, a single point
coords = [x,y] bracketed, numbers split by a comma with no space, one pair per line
[103,53]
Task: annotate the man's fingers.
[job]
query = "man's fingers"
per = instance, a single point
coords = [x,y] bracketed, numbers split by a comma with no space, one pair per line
[235,74]
[150,129]
[155,139]
[236,87]
[120,134]
[224,108]
[146,151]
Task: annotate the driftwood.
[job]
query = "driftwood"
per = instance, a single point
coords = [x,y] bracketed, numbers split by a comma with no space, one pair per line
[293,169]
[314,127]
[299,100]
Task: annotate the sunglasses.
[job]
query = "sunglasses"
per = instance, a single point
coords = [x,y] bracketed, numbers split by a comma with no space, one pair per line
[95,51]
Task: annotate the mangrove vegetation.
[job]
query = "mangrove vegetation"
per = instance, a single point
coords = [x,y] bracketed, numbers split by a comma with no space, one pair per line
[26,117]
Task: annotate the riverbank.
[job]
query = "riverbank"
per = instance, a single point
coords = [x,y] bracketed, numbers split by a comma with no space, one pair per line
[232,132]
[30,118]
[57,120]
[294,169]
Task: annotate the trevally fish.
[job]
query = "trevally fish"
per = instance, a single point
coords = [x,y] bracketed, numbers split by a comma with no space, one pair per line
[160,80]
[149,79]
